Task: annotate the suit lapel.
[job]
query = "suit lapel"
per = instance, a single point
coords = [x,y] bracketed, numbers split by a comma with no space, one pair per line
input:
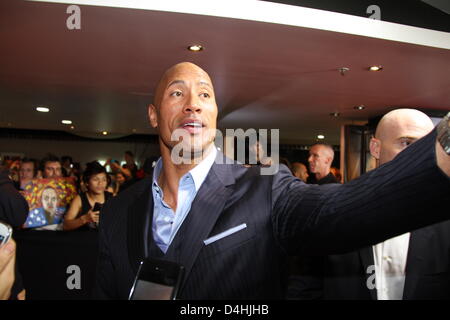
[418,243]
[205,210]
[138,212]
[366,255]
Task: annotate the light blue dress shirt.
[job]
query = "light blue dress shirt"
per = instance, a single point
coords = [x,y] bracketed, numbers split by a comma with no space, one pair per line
[166,222]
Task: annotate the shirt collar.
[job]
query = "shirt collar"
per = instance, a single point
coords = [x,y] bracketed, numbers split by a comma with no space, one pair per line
[198,173]
[156,173]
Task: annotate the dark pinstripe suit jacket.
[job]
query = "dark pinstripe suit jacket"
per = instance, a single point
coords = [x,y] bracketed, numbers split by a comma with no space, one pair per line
[283,216]
[345,276]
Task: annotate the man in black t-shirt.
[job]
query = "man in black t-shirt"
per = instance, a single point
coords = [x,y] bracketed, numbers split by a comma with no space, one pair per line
[320,160]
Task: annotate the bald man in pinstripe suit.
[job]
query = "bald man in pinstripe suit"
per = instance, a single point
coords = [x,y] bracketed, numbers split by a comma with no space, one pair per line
[233,228]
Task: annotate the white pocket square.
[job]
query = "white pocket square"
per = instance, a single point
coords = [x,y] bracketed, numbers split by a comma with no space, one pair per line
[224,234]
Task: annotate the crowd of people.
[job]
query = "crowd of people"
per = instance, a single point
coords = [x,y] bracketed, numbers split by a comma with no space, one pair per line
[23,171]
[97,183]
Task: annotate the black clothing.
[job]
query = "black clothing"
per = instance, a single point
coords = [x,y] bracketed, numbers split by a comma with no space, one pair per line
[329,178]
[13,211]
[86,206]
[345,276]
[13,206]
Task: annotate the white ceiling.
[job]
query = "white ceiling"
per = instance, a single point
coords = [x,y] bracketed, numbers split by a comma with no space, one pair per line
[266,75]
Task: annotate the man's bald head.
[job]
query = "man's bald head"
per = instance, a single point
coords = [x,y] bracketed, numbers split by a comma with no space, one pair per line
[300,171]
[397,130]
[184,111]
[175,72]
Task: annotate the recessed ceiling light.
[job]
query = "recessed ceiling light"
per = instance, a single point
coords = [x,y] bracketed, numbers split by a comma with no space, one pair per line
[105,133]
[320,136]
[360,107]
[195,48]
[375,68]
[66,122]
[42,109]
[72,127]
[335,114]
[343,70]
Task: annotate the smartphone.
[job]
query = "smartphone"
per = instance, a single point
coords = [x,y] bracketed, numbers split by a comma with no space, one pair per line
[97,206]
[157,280]
[5,233]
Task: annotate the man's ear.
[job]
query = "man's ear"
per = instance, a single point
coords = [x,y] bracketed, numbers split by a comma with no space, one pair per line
[152,116]
[375,148]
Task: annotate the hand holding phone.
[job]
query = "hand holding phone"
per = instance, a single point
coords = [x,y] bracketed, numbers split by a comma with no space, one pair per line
[94,214]
[91,218]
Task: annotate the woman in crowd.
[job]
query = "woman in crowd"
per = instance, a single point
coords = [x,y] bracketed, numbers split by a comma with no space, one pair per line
[81,213]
